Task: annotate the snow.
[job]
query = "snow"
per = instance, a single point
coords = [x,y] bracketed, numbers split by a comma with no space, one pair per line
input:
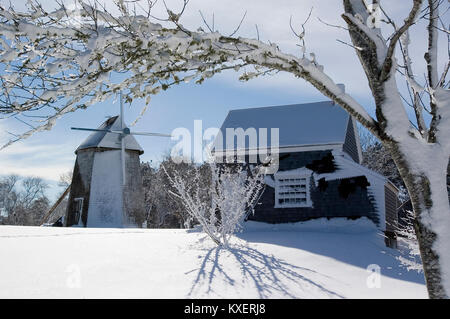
[106,193]
[110,140]
[108,35]
[302,171]
[316,259]
[22,29]
[347,168]
[429,160]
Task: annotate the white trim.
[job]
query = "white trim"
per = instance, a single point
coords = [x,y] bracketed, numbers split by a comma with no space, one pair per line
[392,187]
[358,142]
[302,173]
[281,149]
[77,200]
[361,168]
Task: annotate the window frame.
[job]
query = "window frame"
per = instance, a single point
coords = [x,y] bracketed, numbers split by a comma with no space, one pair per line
[295,176]
[78,212]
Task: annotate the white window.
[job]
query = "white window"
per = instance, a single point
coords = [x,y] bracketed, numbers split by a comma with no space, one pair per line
[292,190]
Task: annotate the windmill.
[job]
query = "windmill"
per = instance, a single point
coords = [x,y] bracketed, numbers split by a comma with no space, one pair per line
[123,132]
[106,189]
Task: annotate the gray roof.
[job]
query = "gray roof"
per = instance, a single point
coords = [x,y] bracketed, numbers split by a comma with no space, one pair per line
[110,140]
[299,124]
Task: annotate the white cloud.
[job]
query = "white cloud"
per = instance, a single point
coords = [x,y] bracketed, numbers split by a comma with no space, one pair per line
[272,18]
[49,172]
[36,157]
[45,161]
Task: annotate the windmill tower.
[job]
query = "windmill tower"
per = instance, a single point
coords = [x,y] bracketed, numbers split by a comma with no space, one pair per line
[106,188]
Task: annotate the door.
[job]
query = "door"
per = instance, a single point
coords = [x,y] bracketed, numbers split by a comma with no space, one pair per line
[78,210]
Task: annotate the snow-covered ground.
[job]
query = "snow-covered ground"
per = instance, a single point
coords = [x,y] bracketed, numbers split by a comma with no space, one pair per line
[316,259]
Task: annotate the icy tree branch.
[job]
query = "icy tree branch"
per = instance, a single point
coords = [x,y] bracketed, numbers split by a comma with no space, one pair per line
[54,63]
[414,86]
[410,20]
[379,64]
[431,55]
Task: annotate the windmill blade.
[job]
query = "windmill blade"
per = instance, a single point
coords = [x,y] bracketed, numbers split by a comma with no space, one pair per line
[94,130]
[122,159]
[150,134]
[122,121]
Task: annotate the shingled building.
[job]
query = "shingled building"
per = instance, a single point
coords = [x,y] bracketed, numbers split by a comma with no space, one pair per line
[319,171]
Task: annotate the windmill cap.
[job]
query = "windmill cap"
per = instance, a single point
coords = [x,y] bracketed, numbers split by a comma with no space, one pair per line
[110,140]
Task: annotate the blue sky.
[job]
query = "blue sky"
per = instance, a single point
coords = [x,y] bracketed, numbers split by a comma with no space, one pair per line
[51,153]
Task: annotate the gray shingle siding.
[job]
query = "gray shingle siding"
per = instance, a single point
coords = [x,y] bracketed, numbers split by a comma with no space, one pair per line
[291,161]
[326,203]
[328,199]
[391,205]
[350,145]
[81,182]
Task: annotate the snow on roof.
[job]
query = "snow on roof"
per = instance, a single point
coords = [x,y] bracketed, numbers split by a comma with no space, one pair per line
[299,124]
[110,140]
[347,168]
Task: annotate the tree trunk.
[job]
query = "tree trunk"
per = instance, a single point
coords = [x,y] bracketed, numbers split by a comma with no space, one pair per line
[430,258]
[425,205]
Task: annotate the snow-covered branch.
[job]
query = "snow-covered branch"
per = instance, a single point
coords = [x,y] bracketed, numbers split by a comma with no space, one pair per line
[414,86]
[421,154]
[57,64]
[431,54]
[380,66]
[409,21]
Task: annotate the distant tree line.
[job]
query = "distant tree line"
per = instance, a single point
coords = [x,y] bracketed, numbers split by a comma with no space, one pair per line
[215,196]
[163,208]
[22,200]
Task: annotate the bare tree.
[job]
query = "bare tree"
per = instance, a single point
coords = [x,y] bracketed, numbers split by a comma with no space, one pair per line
[55,64]
[33,188]
[164,210]
[32,214]
[23,200]
[8,195]
[65,179]
[220,205]
[410,252]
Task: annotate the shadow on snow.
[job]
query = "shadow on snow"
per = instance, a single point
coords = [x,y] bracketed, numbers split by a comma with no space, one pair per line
[270,275]
[358,249]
